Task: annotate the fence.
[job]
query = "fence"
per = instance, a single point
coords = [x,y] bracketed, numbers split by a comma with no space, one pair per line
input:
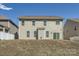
[6,36]
[75,39]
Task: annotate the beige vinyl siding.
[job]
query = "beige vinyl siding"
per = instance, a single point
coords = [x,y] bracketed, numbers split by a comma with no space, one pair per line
[50,26]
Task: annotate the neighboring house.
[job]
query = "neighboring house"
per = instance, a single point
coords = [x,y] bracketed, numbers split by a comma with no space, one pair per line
[6,25]
[3,28]
[4,35]
[71,28]
[40,27]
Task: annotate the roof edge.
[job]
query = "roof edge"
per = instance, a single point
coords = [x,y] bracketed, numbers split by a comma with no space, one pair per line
[40,17]
[10,21]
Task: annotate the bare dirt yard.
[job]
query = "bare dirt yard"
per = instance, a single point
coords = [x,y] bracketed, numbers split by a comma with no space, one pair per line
[38,48]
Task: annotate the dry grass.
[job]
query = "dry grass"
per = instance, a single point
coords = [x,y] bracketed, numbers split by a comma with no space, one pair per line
[38,48]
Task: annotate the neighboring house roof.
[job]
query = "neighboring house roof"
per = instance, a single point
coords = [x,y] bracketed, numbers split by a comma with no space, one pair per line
[4,26]
[3,18]
[1,25]
[74,19]
[40,17]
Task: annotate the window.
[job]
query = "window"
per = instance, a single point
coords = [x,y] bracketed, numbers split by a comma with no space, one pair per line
[35,33]
[6,30]
[75,28]
[45,22]
[28,33]
[22,22]
[57,22]
[1,29]
[56,35]
[33,23]
[47,33]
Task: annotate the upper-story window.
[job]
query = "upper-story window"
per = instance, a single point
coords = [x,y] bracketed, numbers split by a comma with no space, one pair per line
[33,22]
[45,22]
[22,22]
[57,22]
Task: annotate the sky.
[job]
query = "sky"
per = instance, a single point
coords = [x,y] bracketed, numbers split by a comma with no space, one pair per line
[14,10]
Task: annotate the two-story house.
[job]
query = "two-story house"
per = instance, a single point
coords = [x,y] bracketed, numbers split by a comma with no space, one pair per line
[71,28]
[6,25]
[40,27]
